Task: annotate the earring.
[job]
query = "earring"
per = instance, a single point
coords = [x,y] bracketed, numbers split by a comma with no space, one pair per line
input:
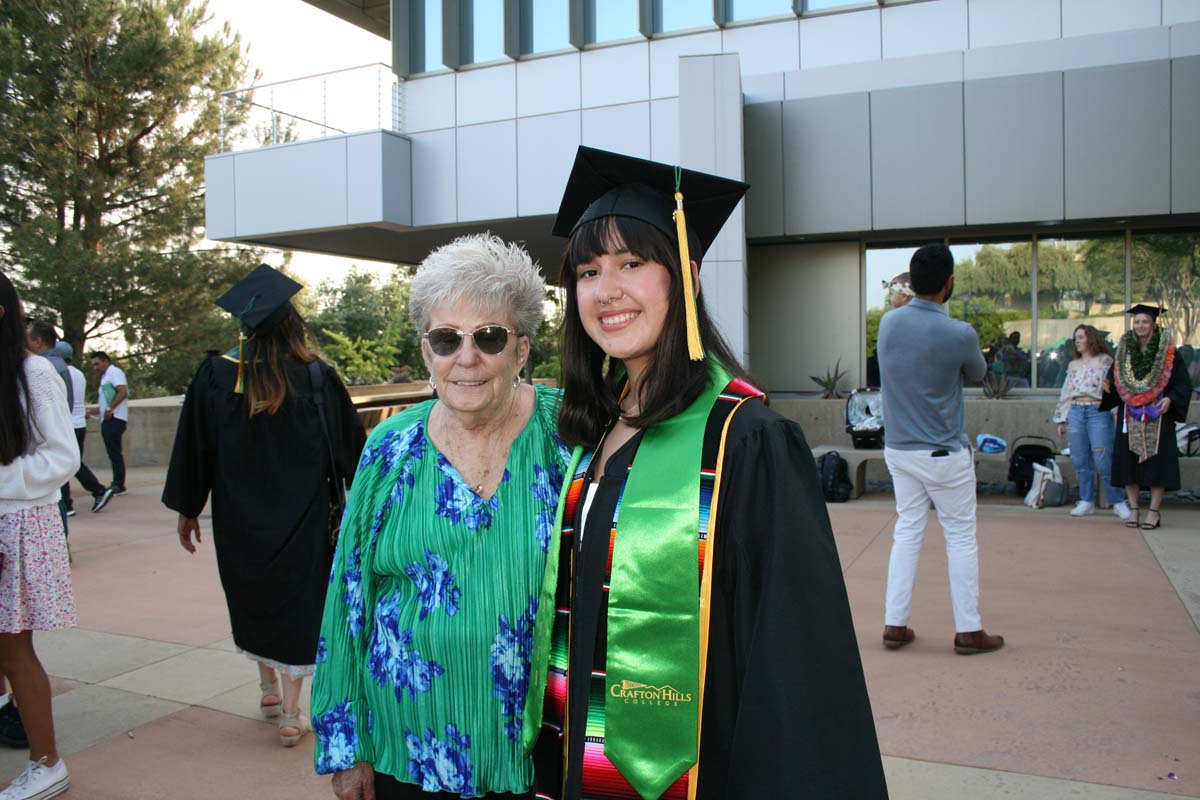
[517,381]
[432,383]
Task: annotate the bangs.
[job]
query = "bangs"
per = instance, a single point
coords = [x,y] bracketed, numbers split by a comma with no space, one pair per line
[614,234]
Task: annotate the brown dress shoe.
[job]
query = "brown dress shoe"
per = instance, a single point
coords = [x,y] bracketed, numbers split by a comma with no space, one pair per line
[896,636]
[980,641]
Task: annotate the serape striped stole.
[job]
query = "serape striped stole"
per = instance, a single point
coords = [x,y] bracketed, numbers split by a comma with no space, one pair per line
[601,780]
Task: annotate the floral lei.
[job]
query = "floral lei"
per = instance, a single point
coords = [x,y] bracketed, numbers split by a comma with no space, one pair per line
[1136,391]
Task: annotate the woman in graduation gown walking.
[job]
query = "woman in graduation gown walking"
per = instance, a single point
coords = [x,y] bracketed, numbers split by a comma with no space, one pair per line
[1149,387]
[701,643]
[250,434]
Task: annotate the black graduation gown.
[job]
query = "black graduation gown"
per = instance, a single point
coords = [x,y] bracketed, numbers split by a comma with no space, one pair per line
[270,500]
[1163,469]
[786,712]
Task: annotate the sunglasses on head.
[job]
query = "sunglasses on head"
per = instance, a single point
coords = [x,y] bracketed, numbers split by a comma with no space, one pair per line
[445,340]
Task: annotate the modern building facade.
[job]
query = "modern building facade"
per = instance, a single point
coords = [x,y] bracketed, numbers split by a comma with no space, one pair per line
[1055,144]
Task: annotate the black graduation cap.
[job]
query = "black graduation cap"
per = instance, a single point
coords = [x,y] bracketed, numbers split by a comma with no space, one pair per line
[1142,308]
[260,299]
[682,203]
[604,184]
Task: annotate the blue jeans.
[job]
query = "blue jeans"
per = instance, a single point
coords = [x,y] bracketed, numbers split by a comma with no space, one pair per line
[1090,437]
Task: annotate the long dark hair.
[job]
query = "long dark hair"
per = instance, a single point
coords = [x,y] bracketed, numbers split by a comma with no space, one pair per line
[15,432]
[591,389]
[265,361]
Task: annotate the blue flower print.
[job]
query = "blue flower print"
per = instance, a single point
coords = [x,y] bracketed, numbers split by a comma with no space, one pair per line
[392,660]
[456,502]
[337,738]
[441,765]
[370,721]
[564,452]
[322,651]
[511,651]
[545,489]
[394,447]
[353,596]
[435,585]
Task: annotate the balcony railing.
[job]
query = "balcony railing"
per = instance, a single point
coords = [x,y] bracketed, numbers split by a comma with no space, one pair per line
[328,103]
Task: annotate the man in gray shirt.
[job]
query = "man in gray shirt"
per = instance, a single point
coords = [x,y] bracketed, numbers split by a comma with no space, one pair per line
[923,356]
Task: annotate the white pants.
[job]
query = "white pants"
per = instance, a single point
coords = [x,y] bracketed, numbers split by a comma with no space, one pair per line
[949,481]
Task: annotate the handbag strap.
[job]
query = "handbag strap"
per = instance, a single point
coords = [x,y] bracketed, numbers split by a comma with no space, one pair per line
[316,377]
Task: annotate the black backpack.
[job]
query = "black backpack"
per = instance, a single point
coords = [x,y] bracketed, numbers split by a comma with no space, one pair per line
[835,477]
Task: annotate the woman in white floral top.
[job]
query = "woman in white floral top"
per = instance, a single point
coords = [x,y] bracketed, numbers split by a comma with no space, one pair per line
[1089,430]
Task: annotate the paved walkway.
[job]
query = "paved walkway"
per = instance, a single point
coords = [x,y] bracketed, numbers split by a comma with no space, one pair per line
[1097,694]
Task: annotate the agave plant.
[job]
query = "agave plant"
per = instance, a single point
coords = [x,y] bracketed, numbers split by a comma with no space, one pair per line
[831,380]
[996,386]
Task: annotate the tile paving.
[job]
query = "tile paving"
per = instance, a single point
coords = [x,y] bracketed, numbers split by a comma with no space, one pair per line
[1096,695]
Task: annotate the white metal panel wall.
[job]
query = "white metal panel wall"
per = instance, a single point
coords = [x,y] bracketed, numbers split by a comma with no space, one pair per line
[664,59]
[1185,38]
[429,104]
[616,75]
[297,186]
[487,171]
[220,207]
[546,148]
[548,85]
[1185,136]
[827,160]
[1118,140]
[1177,11]
[840,39]
[365,178]
[664,130]
[868,76]
[435,177]
[397,179]
[1014,149]
[487,95]
[930,27]
[763,49]
[1079,52]
[1000,22]
[621,129]
[917,157]
[1081,17]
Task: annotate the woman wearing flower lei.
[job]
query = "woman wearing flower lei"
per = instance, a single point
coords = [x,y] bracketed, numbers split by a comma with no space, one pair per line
[1147,386]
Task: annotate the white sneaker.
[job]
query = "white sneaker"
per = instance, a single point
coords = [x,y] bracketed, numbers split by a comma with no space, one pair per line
[1122,510]
[38,782]
[1083,508]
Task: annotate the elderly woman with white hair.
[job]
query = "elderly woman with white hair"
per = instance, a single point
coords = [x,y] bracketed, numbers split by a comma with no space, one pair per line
[423,661]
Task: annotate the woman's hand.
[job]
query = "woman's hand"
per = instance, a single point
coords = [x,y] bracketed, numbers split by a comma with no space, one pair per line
[186,527]
[1164,405]
[1107,387]
[355,784]
[1062,429]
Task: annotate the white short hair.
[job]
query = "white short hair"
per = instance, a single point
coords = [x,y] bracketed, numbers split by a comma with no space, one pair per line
[484,270]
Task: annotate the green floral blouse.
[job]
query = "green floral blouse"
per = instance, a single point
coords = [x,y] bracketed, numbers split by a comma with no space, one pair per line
[423,661]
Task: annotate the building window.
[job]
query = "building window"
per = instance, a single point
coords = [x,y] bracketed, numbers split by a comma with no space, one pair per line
[993,293]
[1080,281]
[482,26]
[681,15]
[742,10]
[545,26]
[824,5]
[426,32]
[609,20]
[1166,273]
[883,263]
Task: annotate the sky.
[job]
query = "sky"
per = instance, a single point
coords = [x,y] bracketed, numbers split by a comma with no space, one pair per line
[288,39]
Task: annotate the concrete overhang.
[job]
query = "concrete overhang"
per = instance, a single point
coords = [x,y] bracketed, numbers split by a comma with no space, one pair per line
[348,195]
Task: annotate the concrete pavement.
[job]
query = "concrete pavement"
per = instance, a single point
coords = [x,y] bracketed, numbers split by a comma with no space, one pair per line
[1096,695]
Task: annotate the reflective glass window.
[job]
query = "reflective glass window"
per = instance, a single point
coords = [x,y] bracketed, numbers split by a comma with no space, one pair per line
[993,293]
[679,15]
[545,26]
[428,52]
[609,20]
[740,10]
[1081,281]
[1166,272]
[486,26]
[882,265]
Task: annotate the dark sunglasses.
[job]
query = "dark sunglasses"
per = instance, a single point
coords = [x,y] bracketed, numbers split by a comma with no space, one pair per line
[489,339]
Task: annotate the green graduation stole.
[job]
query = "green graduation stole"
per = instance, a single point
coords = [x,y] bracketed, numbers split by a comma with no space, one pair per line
[653,681]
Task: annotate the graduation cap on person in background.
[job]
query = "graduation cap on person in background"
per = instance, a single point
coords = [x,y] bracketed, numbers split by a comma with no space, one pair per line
[689,207]
[260,301]
[1142,308]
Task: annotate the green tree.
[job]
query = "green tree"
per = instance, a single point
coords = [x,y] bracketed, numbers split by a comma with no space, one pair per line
[1168,271]
[107,109]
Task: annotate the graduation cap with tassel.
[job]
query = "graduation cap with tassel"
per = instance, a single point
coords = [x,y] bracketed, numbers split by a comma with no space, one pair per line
[259,301]
[605,184]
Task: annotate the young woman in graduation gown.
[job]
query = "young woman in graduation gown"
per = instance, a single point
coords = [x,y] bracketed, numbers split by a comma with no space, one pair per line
[1149,387]
[250,436]
[701,643]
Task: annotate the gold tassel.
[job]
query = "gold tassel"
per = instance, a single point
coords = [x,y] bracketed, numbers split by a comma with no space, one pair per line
[238,388]
[695,346]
